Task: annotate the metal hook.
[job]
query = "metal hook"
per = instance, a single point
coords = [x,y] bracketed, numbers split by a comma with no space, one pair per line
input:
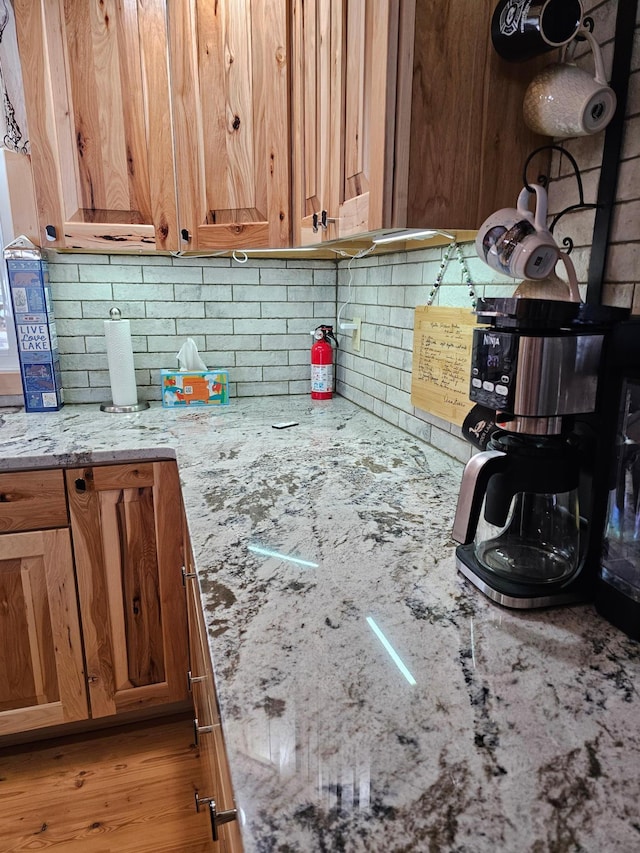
[543,181]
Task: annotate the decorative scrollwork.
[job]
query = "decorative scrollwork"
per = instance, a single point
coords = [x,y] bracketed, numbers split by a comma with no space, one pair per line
[543,180]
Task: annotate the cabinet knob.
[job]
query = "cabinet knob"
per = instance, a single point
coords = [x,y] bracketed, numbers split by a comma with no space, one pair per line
[217,817]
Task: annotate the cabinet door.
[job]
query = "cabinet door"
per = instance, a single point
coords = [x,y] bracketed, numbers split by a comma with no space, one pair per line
[230,83]
[41,669]
[344,75]
[364,98]
[315,70]
[127,540]
[97,96]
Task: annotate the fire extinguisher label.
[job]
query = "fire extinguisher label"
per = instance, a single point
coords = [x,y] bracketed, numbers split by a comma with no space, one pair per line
[322,377]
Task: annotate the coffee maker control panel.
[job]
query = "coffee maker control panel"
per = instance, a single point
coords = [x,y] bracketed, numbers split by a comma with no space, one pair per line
[493,368]
[535,375]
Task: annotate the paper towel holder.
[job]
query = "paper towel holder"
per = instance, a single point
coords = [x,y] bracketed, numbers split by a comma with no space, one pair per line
[115,314]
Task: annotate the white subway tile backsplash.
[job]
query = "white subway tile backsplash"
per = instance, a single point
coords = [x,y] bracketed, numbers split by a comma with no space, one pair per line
[258,293]
[281,310]
[262,389]
[285,342]
[321,292]
[259,358]
[232,310]
[110,273]
[299,386]
[166,326]
[259,327]
[247,374]
[75,379]
[325,277]
[204,292]
[409,273]
[231,275]
[161,292]
[270,374]
[62,291]
[184,310]
[298,276]
[70,309]
[382,276]
[86,361]
[172,275]
[208,326]
[63,272]
[162,343]
[233,342]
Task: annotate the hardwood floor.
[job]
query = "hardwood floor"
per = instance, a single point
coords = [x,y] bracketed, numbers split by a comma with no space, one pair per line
[128,790]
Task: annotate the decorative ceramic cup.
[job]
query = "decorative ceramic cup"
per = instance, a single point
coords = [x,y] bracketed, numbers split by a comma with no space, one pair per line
[522,29]
[517,242]
[564,100]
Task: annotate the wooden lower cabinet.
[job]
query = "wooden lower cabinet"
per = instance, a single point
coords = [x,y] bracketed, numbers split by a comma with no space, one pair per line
[93,619]
[42,679]
[126,524]
[217,791]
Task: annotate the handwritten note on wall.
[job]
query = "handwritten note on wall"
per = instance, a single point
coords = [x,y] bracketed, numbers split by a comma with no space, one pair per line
[442,339]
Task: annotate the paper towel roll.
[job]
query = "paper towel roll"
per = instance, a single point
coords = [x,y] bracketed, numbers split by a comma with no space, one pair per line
[120,358]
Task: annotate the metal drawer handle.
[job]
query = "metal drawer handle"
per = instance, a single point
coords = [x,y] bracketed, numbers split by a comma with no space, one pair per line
[193,679]
[217,818]
[200,730]
[187,576]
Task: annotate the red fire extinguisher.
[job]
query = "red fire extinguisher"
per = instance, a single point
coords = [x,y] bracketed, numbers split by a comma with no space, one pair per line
[322,363]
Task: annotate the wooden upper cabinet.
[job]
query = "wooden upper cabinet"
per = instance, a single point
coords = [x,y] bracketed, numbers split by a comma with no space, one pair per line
[230,95]
[96,83]
[127,538]
[403,117]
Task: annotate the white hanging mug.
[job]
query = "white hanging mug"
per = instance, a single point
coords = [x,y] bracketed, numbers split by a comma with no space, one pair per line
[517,242]
[564,100]
[552,287]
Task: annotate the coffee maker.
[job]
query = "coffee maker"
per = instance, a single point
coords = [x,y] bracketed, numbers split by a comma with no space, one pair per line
[526,501]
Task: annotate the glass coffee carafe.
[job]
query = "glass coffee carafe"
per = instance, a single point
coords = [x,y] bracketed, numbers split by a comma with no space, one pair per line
[540,542]
[521,513]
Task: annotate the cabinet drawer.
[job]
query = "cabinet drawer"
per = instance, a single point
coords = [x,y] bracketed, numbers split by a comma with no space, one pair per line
[32,500]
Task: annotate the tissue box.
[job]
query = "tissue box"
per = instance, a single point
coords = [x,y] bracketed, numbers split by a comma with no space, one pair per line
[194,388]
[36,334]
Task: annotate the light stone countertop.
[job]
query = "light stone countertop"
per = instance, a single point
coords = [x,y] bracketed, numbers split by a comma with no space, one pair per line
[506,731]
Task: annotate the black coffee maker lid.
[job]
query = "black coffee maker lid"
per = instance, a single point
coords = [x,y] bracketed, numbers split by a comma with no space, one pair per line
[545,314]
